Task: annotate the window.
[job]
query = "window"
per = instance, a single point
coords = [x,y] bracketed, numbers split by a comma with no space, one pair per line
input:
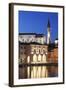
[44,58]
[28,59]
[34,58]
[39,57]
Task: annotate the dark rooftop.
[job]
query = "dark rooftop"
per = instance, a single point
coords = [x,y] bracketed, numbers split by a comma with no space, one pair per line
[27,33]
[37,35]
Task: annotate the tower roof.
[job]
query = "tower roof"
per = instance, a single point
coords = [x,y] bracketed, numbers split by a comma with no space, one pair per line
[48,25]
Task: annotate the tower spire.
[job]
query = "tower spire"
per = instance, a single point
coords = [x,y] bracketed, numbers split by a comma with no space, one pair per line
[48,25]
[48,32]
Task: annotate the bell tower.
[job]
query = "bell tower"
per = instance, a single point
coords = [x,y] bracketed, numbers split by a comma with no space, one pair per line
[48,33]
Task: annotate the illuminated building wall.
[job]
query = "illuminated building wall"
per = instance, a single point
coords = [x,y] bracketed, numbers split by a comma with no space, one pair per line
[32,37]
[33,54]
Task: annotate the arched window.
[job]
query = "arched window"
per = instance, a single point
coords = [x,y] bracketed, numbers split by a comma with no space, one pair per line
[34,58]
[39,57]
[44,58]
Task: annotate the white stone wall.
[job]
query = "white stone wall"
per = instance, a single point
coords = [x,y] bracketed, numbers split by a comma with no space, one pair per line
[27,38]
[32,38]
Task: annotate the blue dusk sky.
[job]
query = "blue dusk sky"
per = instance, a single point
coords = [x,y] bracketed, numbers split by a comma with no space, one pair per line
[36,22]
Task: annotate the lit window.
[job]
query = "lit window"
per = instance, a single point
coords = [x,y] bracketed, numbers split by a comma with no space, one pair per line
[34,58]
[44,58]
[39,57]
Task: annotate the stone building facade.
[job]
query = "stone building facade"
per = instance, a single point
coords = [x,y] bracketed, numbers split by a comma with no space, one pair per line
[35,54]
[37,59]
